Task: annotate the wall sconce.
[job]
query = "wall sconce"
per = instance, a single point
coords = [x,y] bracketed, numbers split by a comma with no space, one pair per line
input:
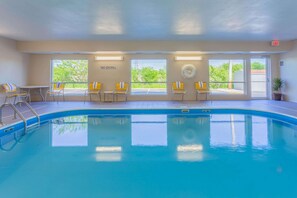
[109,58]
[188,58]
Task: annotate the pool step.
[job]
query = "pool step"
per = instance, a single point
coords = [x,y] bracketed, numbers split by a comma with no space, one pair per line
[33,126]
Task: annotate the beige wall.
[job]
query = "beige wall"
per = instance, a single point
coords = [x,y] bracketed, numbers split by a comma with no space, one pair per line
[34,69]
[13,64]
[39,72]
[288,73]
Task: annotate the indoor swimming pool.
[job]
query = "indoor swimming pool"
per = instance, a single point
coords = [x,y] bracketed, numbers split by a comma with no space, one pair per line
[157,154]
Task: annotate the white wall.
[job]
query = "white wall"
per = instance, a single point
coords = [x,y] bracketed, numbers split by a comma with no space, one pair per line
[288,73]
[13,64]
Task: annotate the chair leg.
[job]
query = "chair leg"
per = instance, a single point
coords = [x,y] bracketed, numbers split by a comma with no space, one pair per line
[19,100]
[98,96]
[27,98]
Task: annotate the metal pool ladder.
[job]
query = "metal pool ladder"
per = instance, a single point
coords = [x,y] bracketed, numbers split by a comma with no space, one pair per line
[17,112]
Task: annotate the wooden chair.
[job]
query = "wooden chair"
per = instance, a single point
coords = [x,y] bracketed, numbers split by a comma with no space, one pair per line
[178,88]
[121,89]
[93,89]
[11,91]
[202,88]
[57,90]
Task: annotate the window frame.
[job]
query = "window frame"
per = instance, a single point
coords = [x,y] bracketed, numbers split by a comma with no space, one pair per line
[268,77]
[245,79]
[149,94]
[51,75]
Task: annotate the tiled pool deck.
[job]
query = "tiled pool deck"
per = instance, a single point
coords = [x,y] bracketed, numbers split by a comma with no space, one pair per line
[288,108]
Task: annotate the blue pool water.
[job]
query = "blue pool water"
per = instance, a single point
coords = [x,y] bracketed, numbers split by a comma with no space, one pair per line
[138,155]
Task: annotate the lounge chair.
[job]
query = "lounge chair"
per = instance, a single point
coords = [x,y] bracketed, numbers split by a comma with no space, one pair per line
[202,88]
[121,89]
[57,90]
[93,89]
[11,91]
[178,88]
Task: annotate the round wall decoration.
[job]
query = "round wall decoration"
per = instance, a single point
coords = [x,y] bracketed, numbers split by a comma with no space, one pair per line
[189,136]
[188,71]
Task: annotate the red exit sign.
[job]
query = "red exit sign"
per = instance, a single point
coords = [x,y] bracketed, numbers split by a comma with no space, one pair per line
[275,43]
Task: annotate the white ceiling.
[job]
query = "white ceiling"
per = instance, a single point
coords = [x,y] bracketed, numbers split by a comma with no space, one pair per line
[148,19]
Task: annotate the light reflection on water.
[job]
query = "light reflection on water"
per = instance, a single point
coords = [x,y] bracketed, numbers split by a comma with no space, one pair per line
[233,132]
[153,151]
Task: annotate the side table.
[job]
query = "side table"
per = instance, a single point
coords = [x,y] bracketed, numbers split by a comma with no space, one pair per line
[107,94]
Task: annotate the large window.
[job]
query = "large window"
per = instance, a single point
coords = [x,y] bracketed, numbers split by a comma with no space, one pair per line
[227,76]
[148,76]
[74,73]
[259,77]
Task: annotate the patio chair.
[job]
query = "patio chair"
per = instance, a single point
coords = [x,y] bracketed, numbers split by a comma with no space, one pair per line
[11,91]
[57,90]
[178,88]
[93,89]
[121,89]
[202,88]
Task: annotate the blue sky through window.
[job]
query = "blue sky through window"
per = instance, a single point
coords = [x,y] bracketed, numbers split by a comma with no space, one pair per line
[155,63]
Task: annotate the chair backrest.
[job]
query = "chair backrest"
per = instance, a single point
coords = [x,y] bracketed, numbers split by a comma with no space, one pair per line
[95,86]
[122,86]
[59,86]
[201,85]
[178,85]
[9,87]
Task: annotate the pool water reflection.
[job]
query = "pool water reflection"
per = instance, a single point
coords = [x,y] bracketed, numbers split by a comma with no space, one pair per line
[217,155]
